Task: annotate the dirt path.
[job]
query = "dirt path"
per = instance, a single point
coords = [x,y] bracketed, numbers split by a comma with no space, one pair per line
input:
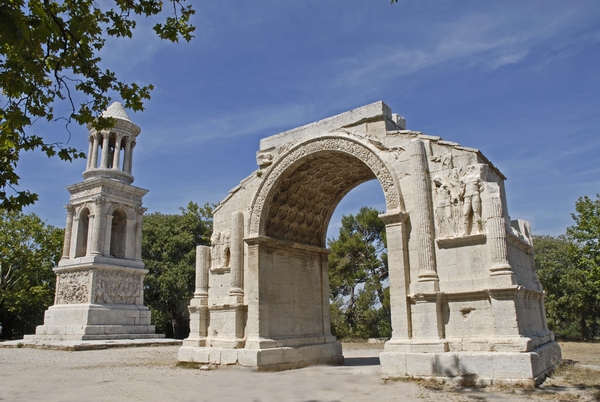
[150,374]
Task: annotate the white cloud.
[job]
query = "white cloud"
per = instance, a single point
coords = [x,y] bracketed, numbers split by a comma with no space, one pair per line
[227,124]
[488,41]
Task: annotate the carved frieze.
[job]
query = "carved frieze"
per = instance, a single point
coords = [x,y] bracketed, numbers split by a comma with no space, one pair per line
[73,287]
[108,191]
[86,192]
[114,287]
[122,194]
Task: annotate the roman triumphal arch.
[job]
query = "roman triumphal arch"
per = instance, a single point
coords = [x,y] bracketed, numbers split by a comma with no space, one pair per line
[466,302]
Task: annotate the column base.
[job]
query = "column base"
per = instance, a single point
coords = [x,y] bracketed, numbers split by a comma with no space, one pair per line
[95,322]
[272,359]
[475,368]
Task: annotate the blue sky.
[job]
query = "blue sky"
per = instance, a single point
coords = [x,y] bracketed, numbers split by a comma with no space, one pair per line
[518,80]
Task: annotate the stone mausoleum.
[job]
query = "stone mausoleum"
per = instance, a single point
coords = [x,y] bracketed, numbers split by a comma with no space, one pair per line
[466,302]
[99,280]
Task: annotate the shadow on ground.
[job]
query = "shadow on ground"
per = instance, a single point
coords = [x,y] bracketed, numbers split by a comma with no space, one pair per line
[361,361]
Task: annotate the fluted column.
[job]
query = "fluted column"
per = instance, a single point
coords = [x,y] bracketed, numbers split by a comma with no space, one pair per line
[90,152]
[423,212]
[202,267]
[68,231]
[94,162]
[497,239]
[117,155]
[237,254]
[105,146]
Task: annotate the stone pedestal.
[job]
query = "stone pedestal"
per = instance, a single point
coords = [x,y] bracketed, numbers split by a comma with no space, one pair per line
[474,368]
[269,359]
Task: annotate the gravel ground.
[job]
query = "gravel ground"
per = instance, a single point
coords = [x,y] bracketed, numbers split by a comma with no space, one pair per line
[151,374]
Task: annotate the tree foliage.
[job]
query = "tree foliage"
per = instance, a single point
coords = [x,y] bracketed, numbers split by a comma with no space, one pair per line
[169,250]
[29,249]
[358,271]
[569,269]
[49,52]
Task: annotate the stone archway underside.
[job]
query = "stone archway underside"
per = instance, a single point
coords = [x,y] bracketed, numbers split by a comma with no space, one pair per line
[331,144]
[306,197]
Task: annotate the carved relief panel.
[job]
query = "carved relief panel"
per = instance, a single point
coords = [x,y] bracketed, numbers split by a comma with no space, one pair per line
[458,206]
[72,287]
[220,249]
[114,287]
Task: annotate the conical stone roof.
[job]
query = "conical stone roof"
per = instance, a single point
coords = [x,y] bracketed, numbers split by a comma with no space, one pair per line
[116,111]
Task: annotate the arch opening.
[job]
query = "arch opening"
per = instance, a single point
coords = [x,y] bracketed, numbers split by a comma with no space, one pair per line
[301,206]
[298,212]
[358,266]
[118,234]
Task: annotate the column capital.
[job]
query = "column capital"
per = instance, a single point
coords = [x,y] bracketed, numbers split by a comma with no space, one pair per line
[99,200]
[70,208]
[140,210]
[393,216]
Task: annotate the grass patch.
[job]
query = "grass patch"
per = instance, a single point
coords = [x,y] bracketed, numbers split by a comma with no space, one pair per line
[576,376]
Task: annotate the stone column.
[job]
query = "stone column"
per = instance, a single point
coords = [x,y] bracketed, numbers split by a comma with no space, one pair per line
[107,234]
[198,308]
[423,223]
[202,268]
[138,233]
[126,154]
[74,236]
[399,274]
[95,227]
[94,161]
[237,254]
[497,240]
[130,238]
[68,231]
[325,297]
[257,327]
[105,148]
[130,166]
[90,234]
[90,152]
[117,155]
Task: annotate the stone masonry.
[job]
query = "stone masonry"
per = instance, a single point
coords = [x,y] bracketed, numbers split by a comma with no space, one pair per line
[466,301]
[99,280]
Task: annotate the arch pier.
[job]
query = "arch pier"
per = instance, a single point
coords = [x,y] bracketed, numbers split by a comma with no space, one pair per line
[465,299]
